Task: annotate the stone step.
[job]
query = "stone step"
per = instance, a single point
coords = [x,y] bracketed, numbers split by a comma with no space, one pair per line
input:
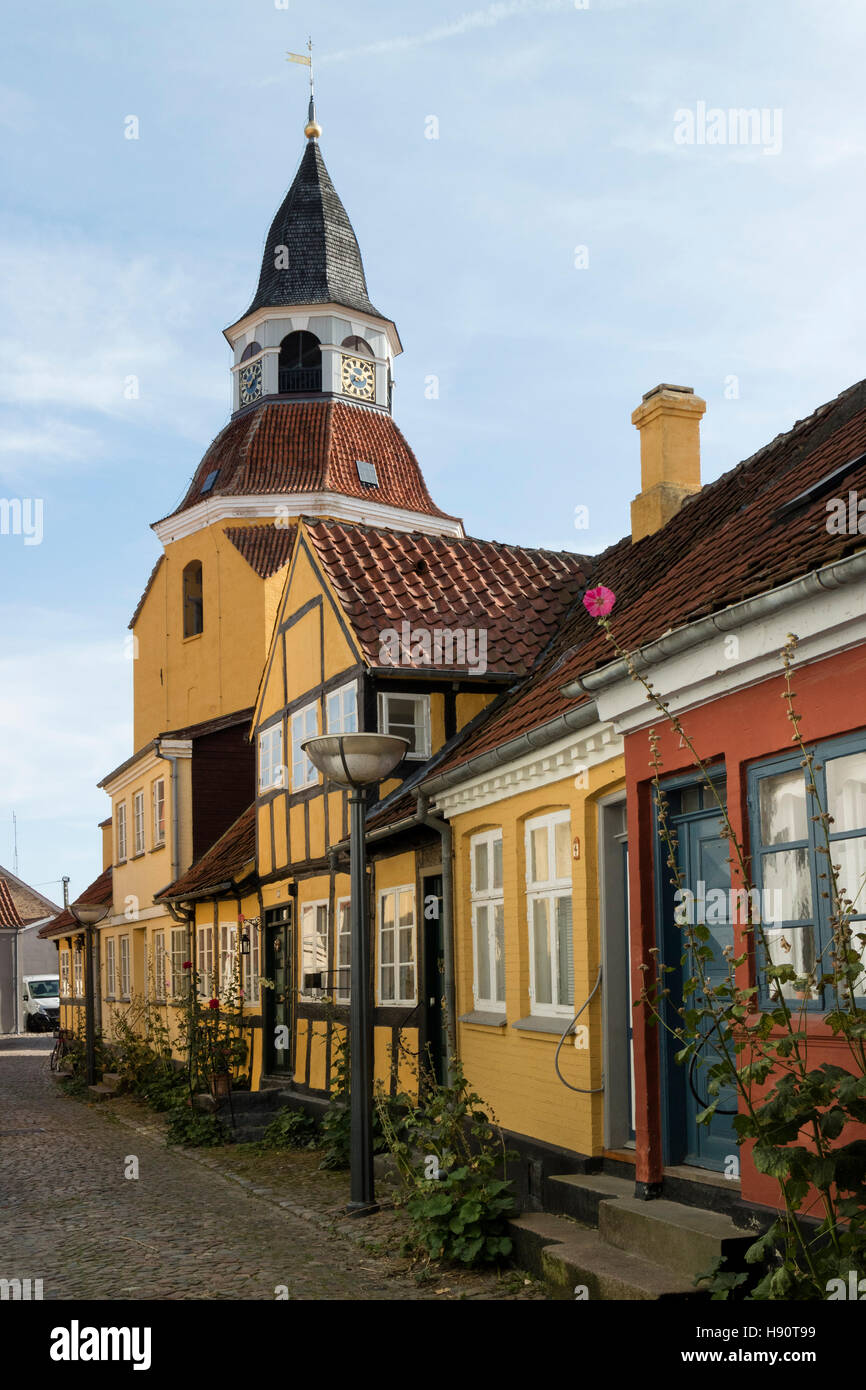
[571,1258]
[101,1092]
[684,1239]
[579,1194]
[112,1080]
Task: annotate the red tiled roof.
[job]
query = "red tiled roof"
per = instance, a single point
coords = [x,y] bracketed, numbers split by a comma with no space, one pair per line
[222,863]
[517,596]
[99,891]
[147,588]
[31,905]
[312,446]
[265,548]
[728,543]
[9,914]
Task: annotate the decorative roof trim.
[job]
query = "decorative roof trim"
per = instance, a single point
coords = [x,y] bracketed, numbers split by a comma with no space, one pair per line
[333,505]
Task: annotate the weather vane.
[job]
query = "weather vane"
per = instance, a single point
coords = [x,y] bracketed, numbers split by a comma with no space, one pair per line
[312,129]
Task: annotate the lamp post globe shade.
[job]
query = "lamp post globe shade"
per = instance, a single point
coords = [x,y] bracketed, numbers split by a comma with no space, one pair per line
[355,760]
[88,914]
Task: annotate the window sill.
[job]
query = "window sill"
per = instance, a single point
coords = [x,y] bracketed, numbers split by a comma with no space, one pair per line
[486,1018]
[139,854]
[119,863]
[154,848]
[193,636]
[544,1023]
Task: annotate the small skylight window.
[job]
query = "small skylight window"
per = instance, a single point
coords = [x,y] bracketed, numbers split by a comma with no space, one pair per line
[209,481]
[367,473]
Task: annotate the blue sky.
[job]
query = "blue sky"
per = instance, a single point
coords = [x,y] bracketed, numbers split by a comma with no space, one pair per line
[704,263]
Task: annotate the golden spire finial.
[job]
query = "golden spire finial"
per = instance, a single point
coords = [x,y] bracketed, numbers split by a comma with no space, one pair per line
[312,129]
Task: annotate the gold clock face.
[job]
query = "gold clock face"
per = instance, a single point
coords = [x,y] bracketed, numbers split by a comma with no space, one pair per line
[250,383]
[359,378]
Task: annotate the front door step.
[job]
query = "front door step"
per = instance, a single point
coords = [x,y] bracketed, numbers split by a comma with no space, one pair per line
[577,1263]
[580,1194]
[684,1239]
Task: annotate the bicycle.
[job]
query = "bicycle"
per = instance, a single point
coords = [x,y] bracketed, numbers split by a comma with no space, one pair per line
[60,1049]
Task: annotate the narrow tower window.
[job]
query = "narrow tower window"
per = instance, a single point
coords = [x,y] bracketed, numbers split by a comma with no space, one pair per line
[193,614]
[300,363]
[250,351]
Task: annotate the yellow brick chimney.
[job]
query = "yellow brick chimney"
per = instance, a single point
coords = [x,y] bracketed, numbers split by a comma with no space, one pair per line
[669,420]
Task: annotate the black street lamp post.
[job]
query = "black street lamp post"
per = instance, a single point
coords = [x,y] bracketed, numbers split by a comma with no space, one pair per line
[87,915]
[354,761]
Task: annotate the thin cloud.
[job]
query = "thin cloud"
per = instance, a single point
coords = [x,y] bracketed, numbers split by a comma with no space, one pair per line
[475,19]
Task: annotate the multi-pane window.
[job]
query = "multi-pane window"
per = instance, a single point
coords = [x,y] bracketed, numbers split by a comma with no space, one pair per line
[792,868]
[64,973]
[251,963]
[205,962]
[138,822]
[407,716]
[397,946]
[179,976]
[488,919]
[159,964]
[548,907]
[120,831]
[342,710]
[314,948]
[228,981]
[344,950]
[158,800]
[78,970]
[271,758]
[305,724]
[110,968]
[124,967]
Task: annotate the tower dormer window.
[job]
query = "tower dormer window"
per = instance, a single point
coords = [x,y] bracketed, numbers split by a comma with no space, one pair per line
[193,609]
[250,351]
[300,363]
[359,346]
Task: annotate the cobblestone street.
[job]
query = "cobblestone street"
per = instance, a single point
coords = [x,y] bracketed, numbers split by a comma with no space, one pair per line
[183,1230]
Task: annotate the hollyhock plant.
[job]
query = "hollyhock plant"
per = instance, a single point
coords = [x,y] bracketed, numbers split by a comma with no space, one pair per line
[599,601]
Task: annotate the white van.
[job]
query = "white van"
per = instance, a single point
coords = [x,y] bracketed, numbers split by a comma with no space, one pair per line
[41,997]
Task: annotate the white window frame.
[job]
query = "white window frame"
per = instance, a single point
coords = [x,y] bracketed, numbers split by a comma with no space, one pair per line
[110,968]
[65,973]
[159,964]
[138,822]
[343,959]
[158,806]
[120,845]
[251,963]
[422,724]
[488,898]
[78,971]
[303,773]
[178,947]
[315,942]
[550,889]
[398,1000]
[204,958]
[228,938]
[125,978]
[271,773]
[344,702]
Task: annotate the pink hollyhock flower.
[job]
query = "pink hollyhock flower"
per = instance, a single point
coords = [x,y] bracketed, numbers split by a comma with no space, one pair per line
[187,965]
[599,602]
[213,1003]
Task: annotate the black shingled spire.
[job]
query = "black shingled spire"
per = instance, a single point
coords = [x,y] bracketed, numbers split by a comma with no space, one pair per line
[324,259]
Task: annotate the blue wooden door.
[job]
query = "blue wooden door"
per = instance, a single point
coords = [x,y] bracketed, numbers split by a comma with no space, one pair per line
[703,857]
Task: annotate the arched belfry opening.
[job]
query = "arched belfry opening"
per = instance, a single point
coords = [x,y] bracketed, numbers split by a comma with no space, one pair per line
[300,363]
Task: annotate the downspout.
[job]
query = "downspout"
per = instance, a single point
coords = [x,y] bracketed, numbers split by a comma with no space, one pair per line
[172,759]
[443,830]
